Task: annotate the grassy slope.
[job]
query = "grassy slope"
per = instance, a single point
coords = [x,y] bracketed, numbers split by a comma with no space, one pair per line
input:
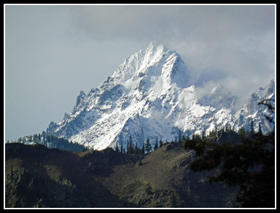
[40,177]
[162,173]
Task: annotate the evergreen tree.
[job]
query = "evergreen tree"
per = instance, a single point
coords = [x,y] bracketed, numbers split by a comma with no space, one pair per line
[122,147]
[127,147]
[136,149]
[160,143]
[130,149]
[260,128]
[252,127]
[148,145]
[156,144]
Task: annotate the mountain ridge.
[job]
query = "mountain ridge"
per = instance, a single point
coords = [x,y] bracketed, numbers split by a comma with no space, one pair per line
[150,95]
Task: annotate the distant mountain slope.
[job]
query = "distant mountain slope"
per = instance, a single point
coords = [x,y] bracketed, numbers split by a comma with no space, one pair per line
[150,95]
[40,177]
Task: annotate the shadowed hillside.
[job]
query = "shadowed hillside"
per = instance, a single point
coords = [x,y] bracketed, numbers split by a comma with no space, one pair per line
[40,177]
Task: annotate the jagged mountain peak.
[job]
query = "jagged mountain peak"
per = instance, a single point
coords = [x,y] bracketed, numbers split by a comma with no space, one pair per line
[80,97]
[156,60]
[262,93]
[149,95]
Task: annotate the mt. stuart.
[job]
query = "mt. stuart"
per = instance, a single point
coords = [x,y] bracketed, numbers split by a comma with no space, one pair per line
[151,95]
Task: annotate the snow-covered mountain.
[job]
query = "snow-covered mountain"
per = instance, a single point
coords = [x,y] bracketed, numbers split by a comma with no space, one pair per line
[252,111]
[150,95]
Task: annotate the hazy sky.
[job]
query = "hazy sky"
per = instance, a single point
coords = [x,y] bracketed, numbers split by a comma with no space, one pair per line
[52,52]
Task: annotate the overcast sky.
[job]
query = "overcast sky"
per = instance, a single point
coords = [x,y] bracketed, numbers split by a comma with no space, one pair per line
[52,52]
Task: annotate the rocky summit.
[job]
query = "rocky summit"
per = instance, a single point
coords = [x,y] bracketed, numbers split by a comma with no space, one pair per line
[151,95]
